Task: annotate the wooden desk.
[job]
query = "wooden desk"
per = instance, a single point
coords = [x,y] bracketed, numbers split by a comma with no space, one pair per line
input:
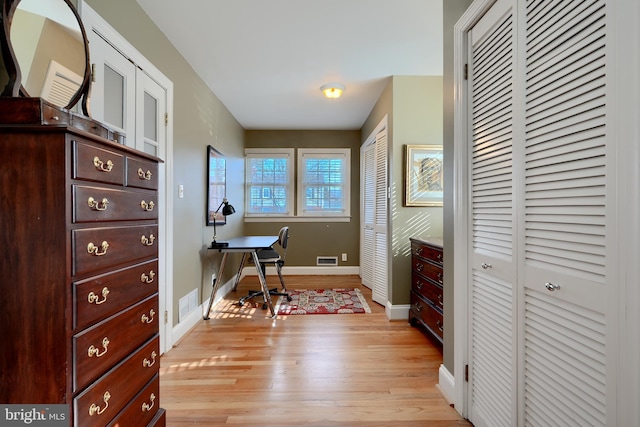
[247,245]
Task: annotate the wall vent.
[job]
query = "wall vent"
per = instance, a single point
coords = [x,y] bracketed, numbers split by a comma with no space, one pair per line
[327,260]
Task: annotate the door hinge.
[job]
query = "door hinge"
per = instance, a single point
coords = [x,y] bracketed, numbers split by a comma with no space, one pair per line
[466,373]
[466,71]
[166,317]
[166,119]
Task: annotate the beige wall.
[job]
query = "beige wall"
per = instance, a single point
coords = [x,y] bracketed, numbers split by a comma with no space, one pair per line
[199,119]
[311,239]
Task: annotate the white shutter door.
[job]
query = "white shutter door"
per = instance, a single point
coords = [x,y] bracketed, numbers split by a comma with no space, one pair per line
[380,279]
[565,204]
[492,347]
[367,261]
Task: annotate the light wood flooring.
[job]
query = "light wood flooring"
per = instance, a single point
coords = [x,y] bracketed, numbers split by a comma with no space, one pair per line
[244,369]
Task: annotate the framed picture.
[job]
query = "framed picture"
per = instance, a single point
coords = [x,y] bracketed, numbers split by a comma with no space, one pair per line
[424,175]
[217,185]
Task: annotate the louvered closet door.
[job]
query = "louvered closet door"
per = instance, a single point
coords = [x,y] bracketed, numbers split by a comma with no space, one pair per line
[564,228]
[381,272]
[492,347]
[368,167]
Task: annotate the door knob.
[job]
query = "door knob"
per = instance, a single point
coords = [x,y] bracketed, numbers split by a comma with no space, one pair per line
[484,265]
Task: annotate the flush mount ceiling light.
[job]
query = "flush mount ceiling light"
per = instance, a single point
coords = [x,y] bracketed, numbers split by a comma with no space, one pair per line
[332,90]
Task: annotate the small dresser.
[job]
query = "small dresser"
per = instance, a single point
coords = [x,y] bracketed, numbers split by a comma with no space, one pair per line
[426,286]
[79,235]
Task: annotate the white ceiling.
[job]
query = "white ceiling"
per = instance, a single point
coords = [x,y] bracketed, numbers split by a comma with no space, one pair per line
[266,59]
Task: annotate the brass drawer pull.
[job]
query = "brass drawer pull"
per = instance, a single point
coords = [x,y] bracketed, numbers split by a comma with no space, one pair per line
[101,166]
[147,279]
[93,351]
[149,318]
[95,299]
[419,285]
[147,407]
[95,250]
[149,241]
[419,267]
[418,307]
[146,363]
[96,205]
[147,206]
[439,324]
[419,251]
[144,175]
[440,302]
[95,409]
[439,257]
[439,277]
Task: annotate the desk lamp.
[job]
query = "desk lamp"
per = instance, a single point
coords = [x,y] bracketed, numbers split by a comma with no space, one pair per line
[226,211]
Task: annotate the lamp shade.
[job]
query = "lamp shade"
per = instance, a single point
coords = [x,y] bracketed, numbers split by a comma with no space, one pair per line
[228,209]
[332,90]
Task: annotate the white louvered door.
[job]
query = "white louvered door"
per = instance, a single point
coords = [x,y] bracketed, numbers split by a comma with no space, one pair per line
[538,197]
[564,214]
[492,345]
[373,251]
[381,272]
[368,168]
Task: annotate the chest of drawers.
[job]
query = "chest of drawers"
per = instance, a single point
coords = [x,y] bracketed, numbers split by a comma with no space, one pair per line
[79,307]
[426,287]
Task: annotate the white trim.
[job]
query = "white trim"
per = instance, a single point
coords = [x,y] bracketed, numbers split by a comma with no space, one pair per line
[327,218]
[460,200]
[446,384]
[397,312]
[314,270]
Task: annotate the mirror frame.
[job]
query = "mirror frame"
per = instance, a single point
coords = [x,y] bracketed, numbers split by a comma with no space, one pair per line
[14,87]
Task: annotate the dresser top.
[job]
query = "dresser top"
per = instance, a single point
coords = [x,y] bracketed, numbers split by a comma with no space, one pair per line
[431,241]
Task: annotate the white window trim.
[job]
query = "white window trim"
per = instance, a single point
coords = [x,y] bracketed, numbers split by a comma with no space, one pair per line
[300,196]
[267,153]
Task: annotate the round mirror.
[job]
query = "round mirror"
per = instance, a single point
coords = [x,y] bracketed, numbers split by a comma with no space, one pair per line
[51,51]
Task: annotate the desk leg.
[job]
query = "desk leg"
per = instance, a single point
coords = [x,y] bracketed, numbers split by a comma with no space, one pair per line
[237,280]
[216,284]
[263,283]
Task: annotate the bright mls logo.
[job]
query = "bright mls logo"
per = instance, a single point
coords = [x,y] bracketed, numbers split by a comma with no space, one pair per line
[37,415]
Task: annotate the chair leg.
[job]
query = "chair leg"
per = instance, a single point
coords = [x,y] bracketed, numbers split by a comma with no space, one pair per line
[279,270]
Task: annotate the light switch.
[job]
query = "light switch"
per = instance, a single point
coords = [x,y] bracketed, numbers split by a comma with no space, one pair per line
[181,191]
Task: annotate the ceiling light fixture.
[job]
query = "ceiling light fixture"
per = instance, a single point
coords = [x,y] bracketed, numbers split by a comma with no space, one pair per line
[332,90]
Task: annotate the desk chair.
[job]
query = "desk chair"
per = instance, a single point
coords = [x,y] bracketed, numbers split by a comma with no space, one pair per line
[276,258]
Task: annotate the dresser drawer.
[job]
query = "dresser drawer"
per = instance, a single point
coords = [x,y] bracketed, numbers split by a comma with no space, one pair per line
[92,163]
[99,348]
[427,314]
[94,204]
[427,289]
[142,173]
[427,252]
[142,408]
[102,296]
[97,248]
[105,398]
[427,269]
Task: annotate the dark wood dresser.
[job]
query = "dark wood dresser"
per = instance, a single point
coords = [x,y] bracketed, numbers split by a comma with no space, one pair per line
[426,286]
[79,272]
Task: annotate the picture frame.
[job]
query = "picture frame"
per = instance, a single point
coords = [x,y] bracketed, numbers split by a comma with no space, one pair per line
[216,186]
[424,178]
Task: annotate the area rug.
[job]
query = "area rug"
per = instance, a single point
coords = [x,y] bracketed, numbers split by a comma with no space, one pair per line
[323,301]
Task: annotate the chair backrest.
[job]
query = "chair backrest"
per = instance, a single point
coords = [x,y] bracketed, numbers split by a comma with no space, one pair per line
[283,238]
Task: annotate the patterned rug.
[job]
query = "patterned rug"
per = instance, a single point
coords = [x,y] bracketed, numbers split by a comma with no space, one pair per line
[323,301]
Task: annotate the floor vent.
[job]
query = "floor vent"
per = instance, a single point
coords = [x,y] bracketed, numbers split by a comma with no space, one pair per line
[327,260]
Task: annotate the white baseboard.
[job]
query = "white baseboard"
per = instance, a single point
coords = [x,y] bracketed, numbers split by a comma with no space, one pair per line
[397,312]
[446,384]
[250,270]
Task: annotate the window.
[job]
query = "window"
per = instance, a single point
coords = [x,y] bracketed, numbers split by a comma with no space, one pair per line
[269,182]
[324,182]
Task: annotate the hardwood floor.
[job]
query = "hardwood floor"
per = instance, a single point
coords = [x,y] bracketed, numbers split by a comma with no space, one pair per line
[242,368]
